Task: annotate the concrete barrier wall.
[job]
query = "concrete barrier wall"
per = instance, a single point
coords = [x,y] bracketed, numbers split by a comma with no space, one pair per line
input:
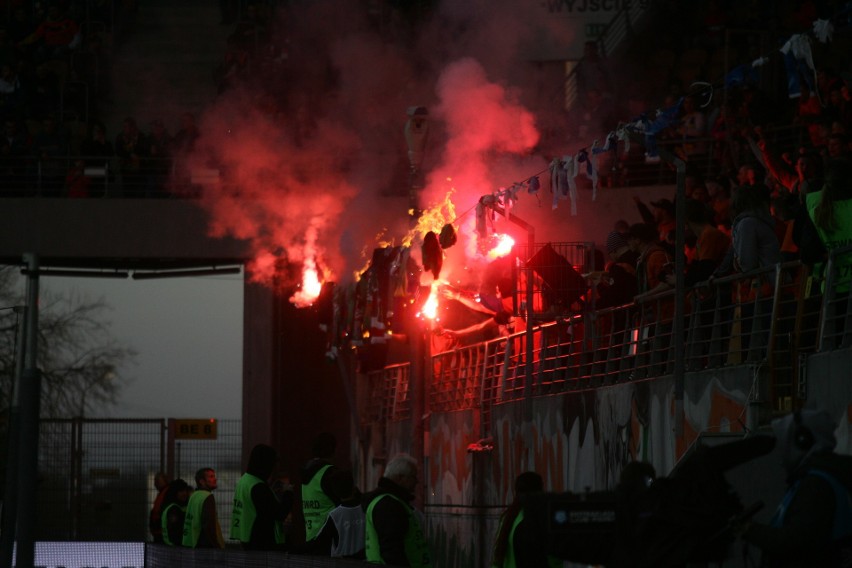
[579,441]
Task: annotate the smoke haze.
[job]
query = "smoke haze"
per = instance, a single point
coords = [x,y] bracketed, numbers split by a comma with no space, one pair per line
[312,153]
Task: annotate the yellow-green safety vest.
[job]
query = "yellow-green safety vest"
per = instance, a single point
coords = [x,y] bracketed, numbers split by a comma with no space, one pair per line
[838,238]
[192,522]
[416,548]
[165,524]
[244,513]
[316,505]
[509,557]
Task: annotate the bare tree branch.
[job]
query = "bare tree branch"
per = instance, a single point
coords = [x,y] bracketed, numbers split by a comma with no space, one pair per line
[79,358]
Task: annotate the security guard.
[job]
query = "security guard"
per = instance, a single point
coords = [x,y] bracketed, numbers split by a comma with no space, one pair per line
[318,498]
[201,527]
[394,529]
[256,507]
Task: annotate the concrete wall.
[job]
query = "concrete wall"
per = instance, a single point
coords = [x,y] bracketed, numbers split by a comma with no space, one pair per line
[577,441]
[143,233]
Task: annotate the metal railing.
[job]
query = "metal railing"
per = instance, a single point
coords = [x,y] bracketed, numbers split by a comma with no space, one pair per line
[836,317]
[770,318]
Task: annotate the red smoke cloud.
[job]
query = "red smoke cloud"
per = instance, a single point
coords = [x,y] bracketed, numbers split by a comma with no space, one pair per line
[280,196]
[320,175]
[483,123]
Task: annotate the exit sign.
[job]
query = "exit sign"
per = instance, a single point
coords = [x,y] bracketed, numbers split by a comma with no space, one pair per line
[202,429]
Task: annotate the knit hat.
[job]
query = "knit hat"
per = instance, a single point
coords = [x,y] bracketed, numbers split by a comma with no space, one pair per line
[615,242]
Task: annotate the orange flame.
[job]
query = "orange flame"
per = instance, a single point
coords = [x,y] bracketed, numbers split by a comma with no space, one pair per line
[433,219]
[311,285]
[501,246]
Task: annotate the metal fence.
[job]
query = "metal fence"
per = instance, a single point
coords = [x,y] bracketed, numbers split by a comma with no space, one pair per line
[96,475]
[772,317]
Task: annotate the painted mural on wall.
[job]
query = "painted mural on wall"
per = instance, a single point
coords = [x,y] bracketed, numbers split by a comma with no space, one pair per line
[578,442]
[581,441]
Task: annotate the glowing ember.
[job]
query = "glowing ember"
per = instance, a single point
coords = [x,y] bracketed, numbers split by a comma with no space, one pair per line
[311,286]
[501,245]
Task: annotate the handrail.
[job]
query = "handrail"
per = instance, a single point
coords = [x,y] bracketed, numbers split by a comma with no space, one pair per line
[753,318]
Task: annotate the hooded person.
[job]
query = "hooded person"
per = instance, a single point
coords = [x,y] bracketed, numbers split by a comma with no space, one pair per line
[813,523]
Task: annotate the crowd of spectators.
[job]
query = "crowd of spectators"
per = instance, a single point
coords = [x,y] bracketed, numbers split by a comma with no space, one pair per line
[722,73]
[54,64]
[55,71]
[757,154]
[54,78]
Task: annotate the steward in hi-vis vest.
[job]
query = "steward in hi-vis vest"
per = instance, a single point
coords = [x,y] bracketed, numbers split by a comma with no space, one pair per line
[518,557]
[516,544]
[394,530]
[201,527]
[318,498]
[316,504]
[174,512]
[244,512]
[257,508]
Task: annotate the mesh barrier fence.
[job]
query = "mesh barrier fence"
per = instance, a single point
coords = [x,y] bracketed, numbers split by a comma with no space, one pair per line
[96,475]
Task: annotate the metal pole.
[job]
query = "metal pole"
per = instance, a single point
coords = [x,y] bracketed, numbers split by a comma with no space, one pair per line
[10,498]
[680,299]
[680,284]
[528,336]
[170,468]
[30,405]
[418,384]
[678,327]
[77,475]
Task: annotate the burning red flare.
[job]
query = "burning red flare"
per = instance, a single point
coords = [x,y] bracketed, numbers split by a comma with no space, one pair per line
[311,285]
[430,307]
[500,246]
